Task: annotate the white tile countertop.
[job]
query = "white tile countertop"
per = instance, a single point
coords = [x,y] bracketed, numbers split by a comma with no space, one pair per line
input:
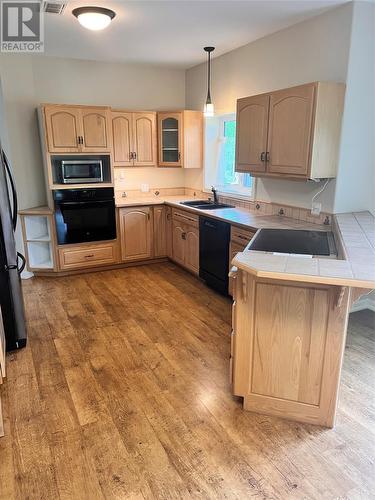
[239,216]
[356,235]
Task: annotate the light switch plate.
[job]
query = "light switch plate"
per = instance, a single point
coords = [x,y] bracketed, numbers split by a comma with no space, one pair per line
[316,208]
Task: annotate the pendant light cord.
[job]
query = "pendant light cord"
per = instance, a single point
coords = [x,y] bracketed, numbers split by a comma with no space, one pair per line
[209,79]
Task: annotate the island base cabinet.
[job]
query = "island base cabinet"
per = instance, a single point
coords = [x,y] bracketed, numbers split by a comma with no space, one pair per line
[288,341]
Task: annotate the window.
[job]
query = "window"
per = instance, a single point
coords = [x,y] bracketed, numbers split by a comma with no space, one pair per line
[220,158]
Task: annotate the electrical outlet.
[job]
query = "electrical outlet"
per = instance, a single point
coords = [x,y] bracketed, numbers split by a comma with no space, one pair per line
[316,208]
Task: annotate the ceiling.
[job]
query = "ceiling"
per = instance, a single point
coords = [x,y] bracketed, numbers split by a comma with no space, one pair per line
[173,32]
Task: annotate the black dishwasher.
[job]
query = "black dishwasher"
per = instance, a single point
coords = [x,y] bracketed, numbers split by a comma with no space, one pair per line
[214,238]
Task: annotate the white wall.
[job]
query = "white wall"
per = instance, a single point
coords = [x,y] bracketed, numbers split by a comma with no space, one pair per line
[316,49]
[30,80]
[355,188]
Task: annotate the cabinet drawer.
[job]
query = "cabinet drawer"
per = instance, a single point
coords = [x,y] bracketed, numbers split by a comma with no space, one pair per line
[187,217]
[241,236]
[75,258]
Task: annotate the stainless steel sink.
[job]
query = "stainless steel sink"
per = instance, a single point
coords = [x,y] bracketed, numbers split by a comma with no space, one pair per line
[205,204]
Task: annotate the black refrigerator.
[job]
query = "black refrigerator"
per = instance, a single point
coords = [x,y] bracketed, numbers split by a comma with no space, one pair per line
[11,262]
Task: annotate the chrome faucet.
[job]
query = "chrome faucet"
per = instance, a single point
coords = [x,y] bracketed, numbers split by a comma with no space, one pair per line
[214,192]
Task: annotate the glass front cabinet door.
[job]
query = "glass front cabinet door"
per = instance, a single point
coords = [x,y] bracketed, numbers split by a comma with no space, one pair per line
[170,139]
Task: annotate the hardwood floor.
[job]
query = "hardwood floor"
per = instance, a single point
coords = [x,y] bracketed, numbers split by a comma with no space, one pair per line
[123,392]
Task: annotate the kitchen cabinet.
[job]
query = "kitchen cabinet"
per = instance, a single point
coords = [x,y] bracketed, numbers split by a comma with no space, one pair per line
[95,130]
[160,231]
[192,248]
[168,216]
[87,255]
[77,129]
[134,139]
[251,131]
[288,341]
[38,231]
[239,239]
[178,242]
[180,139]
[185,239]
[63,129]
[136,233]
[291,133]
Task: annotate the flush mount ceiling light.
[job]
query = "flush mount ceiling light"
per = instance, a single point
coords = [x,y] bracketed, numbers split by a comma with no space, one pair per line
[209,107]
[94,18]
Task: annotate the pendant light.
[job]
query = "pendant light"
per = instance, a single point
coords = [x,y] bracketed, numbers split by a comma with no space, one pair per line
[209,107]
[94,18]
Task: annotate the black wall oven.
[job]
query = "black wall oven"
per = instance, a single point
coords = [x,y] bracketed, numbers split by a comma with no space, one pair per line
[84,215]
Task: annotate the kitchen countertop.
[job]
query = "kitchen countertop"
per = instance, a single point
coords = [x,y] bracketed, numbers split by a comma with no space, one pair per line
[354,233]
[238,216]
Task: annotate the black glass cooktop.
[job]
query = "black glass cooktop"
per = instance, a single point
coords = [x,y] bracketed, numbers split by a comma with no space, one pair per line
[294,241]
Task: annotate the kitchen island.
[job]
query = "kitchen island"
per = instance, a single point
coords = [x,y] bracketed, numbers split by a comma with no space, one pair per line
[290,317]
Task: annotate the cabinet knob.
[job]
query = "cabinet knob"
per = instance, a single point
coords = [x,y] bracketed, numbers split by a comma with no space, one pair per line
[262,156]
[130,156]
[135,155]
[268,156]
[183,236]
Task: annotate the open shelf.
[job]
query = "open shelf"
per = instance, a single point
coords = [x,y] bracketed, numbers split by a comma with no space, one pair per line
[40,254]
[37,228]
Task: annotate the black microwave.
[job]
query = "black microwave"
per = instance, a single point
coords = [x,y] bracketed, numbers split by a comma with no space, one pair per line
[81,171]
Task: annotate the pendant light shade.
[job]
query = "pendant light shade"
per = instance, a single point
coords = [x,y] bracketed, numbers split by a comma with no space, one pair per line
[209,107]
[94,18]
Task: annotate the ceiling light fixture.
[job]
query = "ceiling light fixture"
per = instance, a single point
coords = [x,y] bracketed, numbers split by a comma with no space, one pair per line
[94,18]
[209,107]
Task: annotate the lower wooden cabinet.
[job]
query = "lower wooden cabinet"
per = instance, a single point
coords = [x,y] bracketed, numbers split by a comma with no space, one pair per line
[87,255]
[192,249]
[288,342]
[239,238]
[185,240]
[160,231]
[178,242]
[136,233]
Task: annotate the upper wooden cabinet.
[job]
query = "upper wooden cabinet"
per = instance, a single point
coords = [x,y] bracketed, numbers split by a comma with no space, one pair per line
[252,127]
[134,139]
[76,129]
[180,136]
[63,128]
[292,133]
[95,130]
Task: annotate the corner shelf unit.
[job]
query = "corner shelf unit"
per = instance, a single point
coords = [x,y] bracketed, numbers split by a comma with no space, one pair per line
[37,229]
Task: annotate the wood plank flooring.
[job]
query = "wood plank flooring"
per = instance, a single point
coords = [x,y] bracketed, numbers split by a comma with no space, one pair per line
[123,393]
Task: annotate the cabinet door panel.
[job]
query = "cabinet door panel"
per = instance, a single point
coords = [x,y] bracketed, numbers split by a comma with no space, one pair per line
[62,128]
[291,324]
[95,125]
[178,243]
[144,138]
[168,216]
[160,232]
[122,139]
[170,139]
[136,233]
[192,249]
[290,126]
[251,133]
